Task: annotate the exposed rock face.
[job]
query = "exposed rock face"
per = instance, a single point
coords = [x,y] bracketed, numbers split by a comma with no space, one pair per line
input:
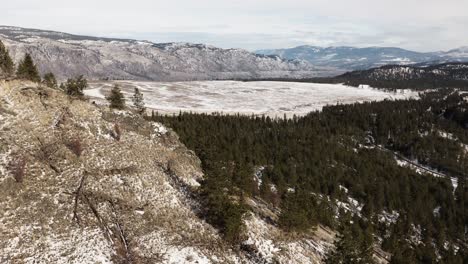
[83,184]
[101,58]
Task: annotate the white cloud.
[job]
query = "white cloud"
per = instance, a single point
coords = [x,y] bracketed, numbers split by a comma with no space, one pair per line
[415,24]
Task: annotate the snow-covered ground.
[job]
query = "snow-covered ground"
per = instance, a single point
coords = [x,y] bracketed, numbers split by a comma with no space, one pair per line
[269,98]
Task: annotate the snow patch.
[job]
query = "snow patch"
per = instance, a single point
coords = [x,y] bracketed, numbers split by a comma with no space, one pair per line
[185,255]
[257,237]
[159,129]
[80,246]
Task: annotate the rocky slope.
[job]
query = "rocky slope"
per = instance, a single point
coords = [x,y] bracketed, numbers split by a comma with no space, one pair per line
[101,58]
[82,184]
[351,58]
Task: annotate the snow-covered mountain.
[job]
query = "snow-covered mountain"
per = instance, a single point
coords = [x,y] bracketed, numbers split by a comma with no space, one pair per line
[350,58]
[106,58]
[460,54]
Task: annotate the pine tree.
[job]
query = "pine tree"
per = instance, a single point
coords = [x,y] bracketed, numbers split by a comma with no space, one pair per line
[138,101]
[354,246]
[6,63]
[50,81]
[298,212]
[222,212]
[27,69]
[75,86]
[116,98]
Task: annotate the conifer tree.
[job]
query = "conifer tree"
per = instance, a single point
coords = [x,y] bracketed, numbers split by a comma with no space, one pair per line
[298,211]
[50,81]
[27,69]
[75,86]
[221,211]
[138,101]
[6,63]
[116,98]
[354,246]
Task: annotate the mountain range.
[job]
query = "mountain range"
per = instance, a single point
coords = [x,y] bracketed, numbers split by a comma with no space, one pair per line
[69,55]
[351,58]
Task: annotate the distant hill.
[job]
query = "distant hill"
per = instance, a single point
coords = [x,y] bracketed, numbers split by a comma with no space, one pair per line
[453,75]
[415,77]
[351,58]
[109,58]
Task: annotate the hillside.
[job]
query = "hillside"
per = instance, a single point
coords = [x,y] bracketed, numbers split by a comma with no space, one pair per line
[454,75]
[82,184]
[388,174]
[105,58]
[351,58]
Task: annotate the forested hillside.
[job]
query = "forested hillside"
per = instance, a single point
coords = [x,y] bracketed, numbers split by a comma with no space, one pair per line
[449,75]
[389,174]
[394,77]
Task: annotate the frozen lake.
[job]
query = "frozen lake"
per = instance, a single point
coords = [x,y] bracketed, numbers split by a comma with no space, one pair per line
[269,98]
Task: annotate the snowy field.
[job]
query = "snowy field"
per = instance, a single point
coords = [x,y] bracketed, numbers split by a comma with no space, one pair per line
[269,98]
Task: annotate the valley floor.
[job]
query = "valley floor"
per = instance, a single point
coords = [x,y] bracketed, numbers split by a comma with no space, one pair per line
[269,98]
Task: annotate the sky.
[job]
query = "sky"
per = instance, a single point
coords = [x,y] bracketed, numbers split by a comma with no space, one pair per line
[420,25]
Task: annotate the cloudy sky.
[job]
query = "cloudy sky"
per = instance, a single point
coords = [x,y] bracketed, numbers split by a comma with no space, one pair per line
[422,25]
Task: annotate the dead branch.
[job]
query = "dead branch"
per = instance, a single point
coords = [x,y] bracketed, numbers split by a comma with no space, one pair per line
[122,237]
[42,95]
[65,113]
[103,226]
[77,194]
[46,152]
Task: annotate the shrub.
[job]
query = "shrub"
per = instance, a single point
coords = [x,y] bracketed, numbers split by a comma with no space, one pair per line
[75,146]
[16,166]
[50,81]
[75,86]
[116,133]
